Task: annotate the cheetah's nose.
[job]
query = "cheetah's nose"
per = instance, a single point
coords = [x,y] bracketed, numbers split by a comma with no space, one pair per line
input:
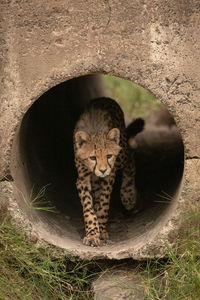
[103,171]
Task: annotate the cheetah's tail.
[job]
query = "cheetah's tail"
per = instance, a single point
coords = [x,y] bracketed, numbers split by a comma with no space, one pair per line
[135,127]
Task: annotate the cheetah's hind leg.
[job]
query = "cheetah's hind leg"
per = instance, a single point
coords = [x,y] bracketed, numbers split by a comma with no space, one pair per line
[128,189]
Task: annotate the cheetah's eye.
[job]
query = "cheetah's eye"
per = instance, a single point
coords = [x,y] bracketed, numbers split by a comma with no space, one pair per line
[93,157]
[109,156]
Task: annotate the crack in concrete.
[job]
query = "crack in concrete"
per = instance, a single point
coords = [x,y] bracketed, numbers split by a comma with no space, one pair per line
[109,16]
[7,178]
[104,30]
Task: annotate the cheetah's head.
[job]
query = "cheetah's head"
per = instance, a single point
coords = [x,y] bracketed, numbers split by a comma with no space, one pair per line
[98,151]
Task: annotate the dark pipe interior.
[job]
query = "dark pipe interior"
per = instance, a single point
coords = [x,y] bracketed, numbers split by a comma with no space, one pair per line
[46,148]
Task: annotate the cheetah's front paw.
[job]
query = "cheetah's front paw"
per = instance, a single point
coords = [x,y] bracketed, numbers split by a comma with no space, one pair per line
[104,235]
[91,240]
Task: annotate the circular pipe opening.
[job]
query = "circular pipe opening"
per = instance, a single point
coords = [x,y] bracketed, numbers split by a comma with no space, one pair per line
[45,173]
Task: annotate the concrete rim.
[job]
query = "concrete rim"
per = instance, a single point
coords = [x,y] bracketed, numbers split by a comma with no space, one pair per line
[65,230]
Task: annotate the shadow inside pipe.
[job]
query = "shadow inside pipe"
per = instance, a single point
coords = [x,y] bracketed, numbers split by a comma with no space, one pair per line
[46,151]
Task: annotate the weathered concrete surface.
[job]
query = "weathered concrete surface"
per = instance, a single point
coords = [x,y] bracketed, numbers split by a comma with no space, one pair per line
[153,43]
[120,285]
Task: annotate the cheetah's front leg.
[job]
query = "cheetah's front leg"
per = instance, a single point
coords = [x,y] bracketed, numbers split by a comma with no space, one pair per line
[104,204]
[92,237]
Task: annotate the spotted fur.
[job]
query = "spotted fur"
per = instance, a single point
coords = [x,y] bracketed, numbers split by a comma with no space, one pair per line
[100,146]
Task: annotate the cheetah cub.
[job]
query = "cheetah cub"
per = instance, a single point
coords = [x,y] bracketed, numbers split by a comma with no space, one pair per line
[100,147]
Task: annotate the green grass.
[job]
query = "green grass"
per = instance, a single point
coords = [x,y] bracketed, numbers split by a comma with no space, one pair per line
[33,271]
[38,201]
[30,270]
[133,99]
[178,278]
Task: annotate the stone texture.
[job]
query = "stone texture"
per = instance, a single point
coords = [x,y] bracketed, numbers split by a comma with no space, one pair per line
[153,43]
[119,285]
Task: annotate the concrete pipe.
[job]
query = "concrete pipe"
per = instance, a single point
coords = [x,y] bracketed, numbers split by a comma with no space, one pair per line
[52,56]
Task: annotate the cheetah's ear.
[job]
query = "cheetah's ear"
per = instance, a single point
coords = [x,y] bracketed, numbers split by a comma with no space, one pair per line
[114,135]
[81,137]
